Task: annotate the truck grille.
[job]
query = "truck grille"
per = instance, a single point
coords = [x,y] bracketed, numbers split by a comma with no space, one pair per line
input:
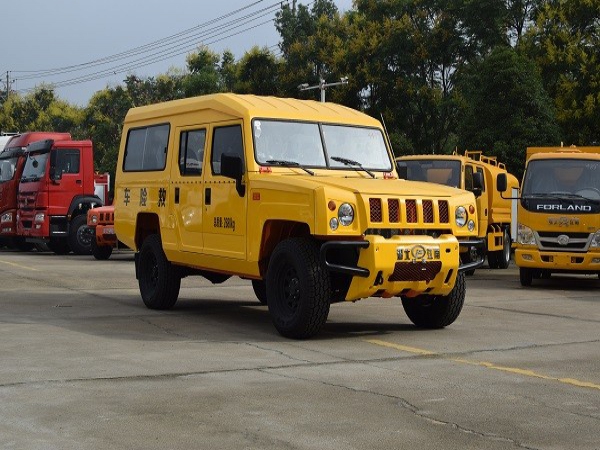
[409,271]
[409,211]
[549,241]
[106,218]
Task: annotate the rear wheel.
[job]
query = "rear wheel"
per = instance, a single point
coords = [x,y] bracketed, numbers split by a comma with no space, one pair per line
[298,288]
[525,276]
[436,311]
[80,235]
[101,252]
[501,259]
[159,280]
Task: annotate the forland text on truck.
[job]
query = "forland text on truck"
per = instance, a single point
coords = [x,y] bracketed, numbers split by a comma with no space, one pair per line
[300,197]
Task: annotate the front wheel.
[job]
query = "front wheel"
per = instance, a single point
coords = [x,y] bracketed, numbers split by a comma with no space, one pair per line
[80,236]
[159,280]
[525,276]
[298,288]
[436,311]
[260,290]
[101,252]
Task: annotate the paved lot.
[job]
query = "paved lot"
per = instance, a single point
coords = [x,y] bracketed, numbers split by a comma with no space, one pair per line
[84,365]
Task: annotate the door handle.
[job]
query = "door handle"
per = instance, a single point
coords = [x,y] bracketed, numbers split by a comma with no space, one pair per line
[78,181]
[207,194]
[176,195]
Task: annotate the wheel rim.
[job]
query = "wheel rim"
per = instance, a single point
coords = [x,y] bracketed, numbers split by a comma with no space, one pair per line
[288,291]
[84,236]
[506,247]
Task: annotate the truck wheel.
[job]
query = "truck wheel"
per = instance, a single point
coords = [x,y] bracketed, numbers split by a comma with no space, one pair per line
[59,246]
[503,256]
[260,290]
[298,288]
[526,276]
[101,252]
[80,236]
[159,280]
[436,311]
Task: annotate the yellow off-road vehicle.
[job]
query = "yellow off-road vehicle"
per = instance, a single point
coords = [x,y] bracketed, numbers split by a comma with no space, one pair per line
[300,197]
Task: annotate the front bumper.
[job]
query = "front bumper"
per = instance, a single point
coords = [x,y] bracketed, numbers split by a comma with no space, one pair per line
[400,265]
[558,261]
[473,246]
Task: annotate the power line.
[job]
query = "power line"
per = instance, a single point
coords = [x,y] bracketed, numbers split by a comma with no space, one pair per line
[159,50]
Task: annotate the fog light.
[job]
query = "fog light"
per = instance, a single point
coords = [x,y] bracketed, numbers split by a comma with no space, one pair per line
[334,224]
[527,257]
[595,260]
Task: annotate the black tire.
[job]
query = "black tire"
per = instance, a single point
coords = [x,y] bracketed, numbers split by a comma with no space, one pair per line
[80,236]
[525,276]
[101,252]
[59,246]
[298,288]
[260,290]
[159,280]
[501,258]
[436,311]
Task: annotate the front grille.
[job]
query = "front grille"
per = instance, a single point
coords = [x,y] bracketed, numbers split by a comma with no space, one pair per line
[409,271]
[106,218]
[549,241]
[409,211]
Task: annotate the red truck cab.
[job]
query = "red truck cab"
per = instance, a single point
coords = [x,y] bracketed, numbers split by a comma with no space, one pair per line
[12,161]
[56,190]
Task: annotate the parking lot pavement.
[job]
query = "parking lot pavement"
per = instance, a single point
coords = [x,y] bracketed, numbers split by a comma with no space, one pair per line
[86,366]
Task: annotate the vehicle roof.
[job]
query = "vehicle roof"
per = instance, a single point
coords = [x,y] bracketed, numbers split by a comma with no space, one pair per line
[21,140]
[251,106]
[563,152]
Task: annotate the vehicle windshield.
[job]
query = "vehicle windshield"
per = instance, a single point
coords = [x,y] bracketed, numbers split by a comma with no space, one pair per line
[35,166]
[320,146]
[562,177]
[7,168]
[440,171]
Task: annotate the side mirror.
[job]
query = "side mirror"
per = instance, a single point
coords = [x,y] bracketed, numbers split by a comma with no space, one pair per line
[402,169]
[232,166]
[55,176]
[501,182]
[477,184]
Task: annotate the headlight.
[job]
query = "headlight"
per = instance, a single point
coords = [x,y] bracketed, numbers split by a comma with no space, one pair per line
[333,224]
[471,225]
[6,217]
[596,239]
[346,214]
[94,219]
[39,217]
[460,216]
[525,235]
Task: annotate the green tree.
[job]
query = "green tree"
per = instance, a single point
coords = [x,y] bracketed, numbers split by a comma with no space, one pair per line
[505,108]
[257,73]
[565,43]
[204,77]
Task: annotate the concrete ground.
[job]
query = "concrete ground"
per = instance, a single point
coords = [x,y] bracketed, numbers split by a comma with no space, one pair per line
[84,365]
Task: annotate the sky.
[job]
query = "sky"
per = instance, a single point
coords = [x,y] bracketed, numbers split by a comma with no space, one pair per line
[82,46]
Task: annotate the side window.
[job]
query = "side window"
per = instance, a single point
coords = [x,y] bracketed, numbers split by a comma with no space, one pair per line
[146,148]
[226,140]
[480,170]
[191,152]
[469,178]
[67,161]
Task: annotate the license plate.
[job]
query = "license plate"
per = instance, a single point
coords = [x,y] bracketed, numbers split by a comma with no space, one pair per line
[418,253]
[108,231]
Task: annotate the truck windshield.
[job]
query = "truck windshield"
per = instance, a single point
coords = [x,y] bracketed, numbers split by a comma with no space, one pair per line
[321,146]
[575,177]
[440,171]
[7,168]
[35,166]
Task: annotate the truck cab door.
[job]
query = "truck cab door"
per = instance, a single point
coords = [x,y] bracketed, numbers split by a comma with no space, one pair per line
[481,201]
[224,202]
[65,179]
[187,191]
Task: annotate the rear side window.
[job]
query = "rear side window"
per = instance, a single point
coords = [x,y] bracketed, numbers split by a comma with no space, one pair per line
[66,161]
[191,152]
[146,148]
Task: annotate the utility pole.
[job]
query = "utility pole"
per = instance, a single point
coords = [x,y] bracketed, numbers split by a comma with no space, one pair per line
[7,85]
[322,86]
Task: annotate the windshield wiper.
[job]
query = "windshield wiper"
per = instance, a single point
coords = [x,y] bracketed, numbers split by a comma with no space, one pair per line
[284,163]
[350,162]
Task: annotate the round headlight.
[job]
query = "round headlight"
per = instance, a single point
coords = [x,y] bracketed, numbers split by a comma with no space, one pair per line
[460,216]
[333,224]
[346,214]
[94,219]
